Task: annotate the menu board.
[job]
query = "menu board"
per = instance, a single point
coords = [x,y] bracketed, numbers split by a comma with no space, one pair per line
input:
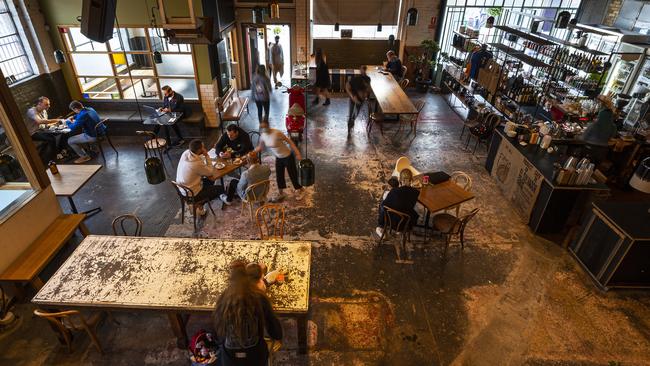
[518,179]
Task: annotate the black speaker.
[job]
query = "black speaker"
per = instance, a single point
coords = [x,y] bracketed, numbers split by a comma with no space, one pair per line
[97,18]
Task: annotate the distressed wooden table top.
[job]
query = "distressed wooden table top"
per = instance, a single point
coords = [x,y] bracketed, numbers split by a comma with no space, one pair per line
[178,274]
[391,97]
[71,178]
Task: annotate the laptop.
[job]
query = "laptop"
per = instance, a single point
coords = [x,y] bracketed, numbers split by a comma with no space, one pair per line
[151,111]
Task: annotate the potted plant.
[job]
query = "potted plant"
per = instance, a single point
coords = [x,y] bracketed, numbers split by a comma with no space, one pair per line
[425,64]
[7,318]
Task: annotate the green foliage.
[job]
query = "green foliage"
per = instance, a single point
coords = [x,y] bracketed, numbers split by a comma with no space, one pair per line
[495,12]
[427,59]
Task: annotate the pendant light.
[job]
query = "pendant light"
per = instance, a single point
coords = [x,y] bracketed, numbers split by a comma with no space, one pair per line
[379,24]
[337,26]
[157,57]
[59,57]
[275,9]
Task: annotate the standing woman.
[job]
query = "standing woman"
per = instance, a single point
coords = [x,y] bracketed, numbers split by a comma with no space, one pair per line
[323,82]
[262,90]
[242,315]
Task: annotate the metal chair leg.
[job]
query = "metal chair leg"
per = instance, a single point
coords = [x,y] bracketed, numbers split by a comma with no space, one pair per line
[182,212]
[101,150]
[112,146]
[476,145]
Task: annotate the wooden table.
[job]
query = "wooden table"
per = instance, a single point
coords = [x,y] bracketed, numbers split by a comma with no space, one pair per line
[70,179]
[390,96]
[229,168]
[438,197]
[177,276]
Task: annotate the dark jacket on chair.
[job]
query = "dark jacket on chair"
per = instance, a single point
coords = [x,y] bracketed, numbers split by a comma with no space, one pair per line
[402,199]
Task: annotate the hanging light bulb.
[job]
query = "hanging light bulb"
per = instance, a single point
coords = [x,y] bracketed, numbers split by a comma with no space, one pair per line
[275,10]
[379,24]
[379,27]
[336,27]
[59,57]
[157,57]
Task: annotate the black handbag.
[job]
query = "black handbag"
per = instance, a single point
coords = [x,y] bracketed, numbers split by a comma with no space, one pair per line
[154,169]
[306,172]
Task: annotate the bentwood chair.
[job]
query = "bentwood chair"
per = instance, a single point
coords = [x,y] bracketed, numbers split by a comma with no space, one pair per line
[483,131]
[397,222]
[155,146]
[270,222]
[187,197]
[119,227]
[404,70]
[404,83]
[255,193]
[412,119]
[65,323]
[255,140]
[450,225]
[464,181]
[101,131]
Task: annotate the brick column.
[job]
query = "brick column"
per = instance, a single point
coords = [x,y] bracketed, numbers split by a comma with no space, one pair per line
[613,9]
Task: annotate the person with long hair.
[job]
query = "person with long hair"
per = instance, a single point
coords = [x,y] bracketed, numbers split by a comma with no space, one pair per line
[242,316]
[262,90]
[323,82]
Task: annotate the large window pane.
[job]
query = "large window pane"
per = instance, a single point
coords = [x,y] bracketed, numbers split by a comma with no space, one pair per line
[133,39]
[140,88]
[160,44]
[187,87]
[14,186]
[176,65]
[92,65]
[78,42]
[99,88]
[139,64]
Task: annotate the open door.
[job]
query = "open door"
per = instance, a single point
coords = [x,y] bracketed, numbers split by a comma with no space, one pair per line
[253,52]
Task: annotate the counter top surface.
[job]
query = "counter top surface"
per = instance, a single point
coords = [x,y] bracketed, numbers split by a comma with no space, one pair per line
[544,161]
[631,217]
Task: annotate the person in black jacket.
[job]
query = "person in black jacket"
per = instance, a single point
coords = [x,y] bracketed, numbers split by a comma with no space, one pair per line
[234,143]
[394,65]
[242,316]
[403,199]
[323,82]
[173,102]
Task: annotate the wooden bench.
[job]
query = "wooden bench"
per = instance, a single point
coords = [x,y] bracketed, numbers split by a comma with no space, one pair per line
[230,107]
[27,267]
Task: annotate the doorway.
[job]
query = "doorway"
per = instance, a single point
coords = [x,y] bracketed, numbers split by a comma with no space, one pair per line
[257,40]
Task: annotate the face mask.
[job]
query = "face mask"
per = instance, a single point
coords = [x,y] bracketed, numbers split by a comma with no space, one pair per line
[264,130]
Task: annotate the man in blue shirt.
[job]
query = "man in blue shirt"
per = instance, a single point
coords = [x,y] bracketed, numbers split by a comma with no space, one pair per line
[394,65]
[86,118]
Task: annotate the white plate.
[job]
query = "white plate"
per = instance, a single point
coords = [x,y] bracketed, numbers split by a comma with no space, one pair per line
[237,161]
[220,165]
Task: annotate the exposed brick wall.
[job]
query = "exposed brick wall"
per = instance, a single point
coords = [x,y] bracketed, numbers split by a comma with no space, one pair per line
[207,96]
[50,85]
[427,10]
[613,9]
[350,53]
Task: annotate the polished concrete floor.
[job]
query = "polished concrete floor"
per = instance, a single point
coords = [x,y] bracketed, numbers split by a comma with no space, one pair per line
[509,298]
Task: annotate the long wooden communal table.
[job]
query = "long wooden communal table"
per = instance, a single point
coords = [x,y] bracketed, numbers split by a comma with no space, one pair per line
[390,96]
[177,276]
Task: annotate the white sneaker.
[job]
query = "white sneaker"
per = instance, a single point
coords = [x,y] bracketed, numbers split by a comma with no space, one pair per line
[379,231]
[201,211]
[300,194]
[224,198]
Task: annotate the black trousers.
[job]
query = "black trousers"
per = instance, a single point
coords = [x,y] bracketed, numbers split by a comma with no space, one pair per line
[49,149]
[209,191]
[353,112]
[232,189]
[288,163]
[266,105]
[168,137]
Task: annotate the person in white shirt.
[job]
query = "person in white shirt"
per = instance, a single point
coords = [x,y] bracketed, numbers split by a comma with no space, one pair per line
[285,152]
[195,172]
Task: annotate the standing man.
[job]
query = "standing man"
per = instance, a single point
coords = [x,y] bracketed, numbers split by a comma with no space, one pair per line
[37,115]
[86,118]
[394,65]
[173,102]
[195,172]
[285,152]
[358,88]
[269,59]
[277,58]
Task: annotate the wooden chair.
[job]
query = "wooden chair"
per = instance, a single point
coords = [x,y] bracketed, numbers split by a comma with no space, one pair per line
[255,193]
[101,131]
[404,83]
[463,180]
[397,222]
[255,140]
[412,119]
[491,121]
[375,118]
[404,70]
[450,225]
[155,146]
[120,220]
[270,221]
[65,323]
[187,197]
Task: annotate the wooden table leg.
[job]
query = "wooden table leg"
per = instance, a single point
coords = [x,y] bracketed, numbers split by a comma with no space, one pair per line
[302,333]
[37,283]
[177,322]
[84,230]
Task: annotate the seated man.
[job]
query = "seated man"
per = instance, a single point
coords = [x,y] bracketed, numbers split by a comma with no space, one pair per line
[255,173]
[37,115]
[86,118]
[172,102]
[195,172]
[234,143]
[394,65]
[403,199]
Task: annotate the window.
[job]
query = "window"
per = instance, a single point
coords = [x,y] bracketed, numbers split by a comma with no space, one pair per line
[14,60]
[358,31]
[123,67]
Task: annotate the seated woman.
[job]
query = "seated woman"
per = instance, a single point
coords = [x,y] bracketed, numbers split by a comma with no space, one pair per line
[403,199]
[242,316]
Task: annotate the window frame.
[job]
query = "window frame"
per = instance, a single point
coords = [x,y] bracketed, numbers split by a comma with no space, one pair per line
[67,42]
[22,42]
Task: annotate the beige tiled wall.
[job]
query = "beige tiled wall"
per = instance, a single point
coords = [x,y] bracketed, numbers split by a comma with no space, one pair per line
[207,102]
